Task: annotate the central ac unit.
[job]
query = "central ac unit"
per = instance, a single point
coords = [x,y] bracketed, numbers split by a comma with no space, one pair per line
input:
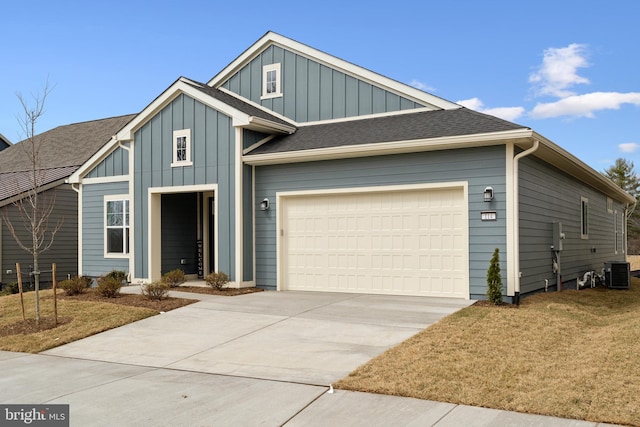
[617,274]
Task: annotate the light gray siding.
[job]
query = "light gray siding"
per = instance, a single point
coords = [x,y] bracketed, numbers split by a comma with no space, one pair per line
[312,91]
[64,250]
[93,229]
[548,195]
[115,164]
[479,167]
[212,154]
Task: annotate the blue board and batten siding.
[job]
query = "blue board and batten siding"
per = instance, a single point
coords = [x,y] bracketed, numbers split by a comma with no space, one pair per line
[548,195]
[212,154]
[312,91]
[479,167]
[115,164]
[94,262]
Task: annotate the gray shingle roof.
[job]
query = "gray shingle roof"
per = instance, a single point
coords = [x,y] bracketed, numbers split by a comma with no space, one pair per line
[403,127]
[238,104]
[69,145]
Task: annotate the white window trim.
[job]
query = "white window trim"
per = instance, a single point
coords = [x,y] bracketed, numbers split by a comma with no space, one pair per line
[584,212]
[265,71]
[610,205]
[186,133]
[112,198]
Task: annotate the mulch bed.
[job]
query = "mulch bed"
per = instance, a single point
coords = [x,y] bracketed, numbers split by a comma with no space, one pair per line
[133,300]
[29,326]
[212,291]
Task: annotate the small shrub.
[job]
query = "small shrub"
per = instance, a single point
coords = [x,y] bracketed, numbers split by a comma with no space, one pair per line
[75,285]
[118,275]
[494,279]
[155,291]
[9,288]
[174,278]
[217,280]
[109,287]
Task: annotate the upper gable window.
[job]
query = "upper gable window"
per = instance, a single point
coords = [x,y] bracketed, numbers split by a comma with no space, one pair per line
[271,81]
[181,148]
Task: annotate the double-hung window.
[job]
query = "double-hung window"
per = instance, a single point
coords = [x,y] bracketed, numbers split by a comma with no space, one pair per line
[271,81]
[116,235]
[181,148]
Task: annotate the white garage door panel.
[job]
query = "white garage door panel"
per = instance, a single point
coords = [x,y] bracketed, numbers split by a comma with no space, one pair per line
[401,242]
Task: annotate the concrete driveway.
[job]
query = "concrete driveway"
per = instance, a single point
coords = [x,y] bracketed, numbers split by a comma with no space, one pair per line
[299,337]
[260,359]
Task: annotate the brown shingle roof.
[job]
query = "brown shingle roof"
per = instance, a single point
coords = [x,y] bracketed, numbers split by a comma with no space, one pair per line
[15,183]
[69,145]
[62,151]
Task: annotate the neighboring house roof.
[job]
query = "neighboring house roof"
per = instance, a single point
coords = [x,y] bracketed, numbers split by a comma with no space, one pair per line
[62,151]
[13,184]
[4,142]
[398,127]
[69,145]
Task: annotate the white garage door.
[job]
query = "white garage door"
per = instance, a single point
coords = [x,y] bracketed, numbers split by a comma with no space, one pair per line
[403,242]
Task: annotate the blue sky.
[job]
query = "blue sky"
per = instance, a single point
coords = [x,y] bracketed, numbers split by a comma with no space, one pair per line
[568,69]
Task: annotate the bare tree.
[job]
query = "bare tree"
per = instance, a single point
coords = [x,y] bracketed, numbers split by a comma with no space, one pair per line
[34,206]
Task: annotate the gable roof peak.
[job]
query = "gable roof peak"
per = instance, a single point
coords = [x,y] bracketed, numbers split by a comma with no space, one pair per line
[273,38]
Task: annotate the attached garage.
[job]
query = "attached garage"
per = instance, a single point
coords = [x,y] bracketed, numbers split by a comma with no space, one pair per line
[399,240]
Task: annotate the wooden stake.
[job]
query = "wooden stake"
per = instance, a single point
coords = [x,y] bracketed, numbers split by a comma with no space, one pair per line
[20,289]
[55,298]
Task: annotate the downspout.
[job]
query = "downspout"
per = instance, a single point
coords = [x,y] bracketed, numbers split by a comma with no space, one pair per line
[516,219]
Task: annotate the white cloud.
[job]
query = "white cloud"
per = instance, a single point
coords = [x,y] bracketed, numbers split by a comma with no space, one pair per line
[506,113]
[584,105]
[473,103]
[628,147]
[558,71]
[422,86]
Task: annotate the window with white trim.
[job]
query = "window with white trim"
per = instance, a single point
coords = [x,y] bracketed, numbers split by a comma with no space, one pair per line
[609,205]
[271,81]
[181,148]
[116,233]
[584,218]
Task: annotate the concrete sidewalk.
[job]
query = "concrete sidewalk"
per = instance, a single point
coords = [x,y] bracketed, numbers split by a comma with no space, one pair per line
[260,359]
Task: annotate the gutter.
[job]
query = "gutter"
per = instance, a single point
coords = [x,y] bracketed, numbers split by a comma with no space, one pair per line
[516,216]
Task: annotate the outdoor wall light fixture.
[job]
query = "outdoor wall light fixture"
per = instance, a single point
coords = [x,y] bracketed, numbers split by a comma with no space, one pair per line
[264,205]
[488,194]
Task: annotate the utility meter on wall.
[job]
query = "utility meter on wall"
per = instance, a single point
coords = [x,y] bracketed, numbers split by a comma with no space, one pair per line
[558,236]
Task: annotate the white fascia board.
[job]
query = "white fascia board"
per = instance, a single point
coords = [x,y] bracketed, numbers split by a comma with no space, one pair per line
[263,124]
[179,87]
[386,148]
[570,164]
[333,62]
